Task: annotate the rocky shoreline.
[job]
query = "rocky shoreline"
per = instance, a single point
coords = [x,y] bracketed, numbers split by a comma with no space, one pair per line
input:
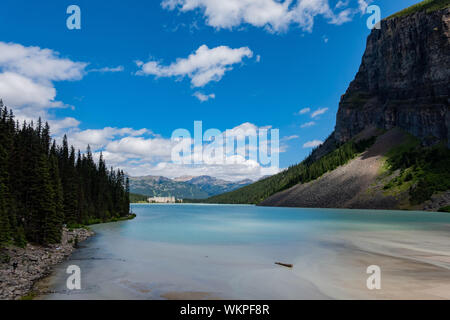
[33,263]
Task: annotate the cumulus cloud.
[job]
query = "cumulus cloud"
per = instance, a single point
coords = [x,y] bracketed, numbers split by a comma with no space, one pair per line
[27,77]
[312,144]
[318,112]
[20,91]
[100,138]
[149,149]
[59,126]
[273,15]
[308,124]
[204,97]
[202,66]
[38,64]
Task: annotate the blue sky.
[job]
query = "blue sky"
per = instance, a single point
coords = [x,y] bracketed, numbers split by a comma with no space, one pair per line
[275,62]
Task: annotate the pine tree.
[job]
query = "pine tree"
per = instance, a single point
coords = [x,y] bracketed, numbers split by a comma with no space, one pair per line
[42,202]
[55,218]
[5,228]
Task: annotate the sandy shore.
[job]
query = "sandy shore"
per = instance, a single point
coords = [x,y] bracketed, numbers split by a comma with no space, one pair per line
[413,265]
[33,263]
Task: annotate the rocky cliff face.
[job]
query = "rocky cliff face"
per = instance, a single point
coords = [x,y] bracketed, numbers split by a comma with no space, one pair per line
[403,80]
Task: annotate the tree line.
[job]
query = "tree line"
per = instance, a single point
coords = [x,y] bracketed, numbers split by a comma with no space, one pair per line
[44,185]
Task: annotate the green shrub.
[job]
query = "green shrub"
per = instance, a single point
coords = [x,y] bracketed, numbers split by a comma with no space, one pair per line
[428,169]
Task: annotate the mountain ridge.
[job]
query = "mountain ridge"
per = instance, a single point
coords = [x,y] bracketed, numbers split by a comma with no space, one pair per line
[184,187]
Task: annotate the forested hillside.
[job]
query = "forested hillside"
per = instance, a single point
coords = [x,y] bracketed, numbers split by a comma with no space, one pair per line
[43,185]
[306,171]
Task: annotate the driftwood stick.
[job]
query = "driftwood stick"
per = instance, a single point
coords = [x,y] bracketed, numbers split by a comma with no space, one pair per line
[287,265]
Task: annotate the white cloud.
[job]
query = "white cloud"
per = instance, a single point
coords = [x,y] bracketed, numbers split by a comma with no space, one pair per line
[202,66]
[27,76]
[312,144]
[39,64]
[308,124]
[19,91]
[319,112]
[273,15]
[363,4]
[204,97]
[304,111]
[99,138]
[288,138]
[57,127]
[341,4]
[343,17]
[108,69]
[149,149]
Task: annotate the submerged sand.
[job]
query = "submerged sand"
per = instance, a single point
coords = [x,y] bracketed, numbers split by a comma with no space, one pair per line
[414,265]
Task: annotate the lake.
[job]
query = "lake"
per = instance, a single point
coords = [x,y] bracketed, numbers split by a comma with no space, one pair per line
[229,252]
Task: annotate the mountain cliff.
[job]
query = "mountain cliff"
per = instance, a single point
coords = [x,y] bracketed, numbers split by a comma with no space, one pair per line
[403,80]
[390,146]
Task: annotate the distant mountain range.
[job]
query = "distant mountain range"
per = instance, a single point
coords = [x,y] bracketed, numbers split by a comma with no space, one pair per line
[185,187]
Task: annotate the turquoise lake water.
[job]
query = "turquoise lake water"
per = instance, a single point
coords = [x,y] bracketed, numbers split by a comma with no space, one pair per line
[229,251]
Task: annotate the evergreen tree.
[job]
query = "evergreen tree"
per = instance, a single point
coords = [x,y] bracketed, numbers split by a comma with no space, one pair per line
[55,218]
[5,229]
[42,204]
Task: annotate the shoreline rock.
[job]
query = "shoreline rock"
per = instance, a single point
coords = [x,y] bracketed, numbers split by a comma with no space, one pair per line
[34,262]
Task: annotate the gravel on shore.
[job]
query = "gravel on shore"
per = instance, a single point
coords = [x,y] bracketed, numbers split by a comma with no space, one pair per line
[33,263]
